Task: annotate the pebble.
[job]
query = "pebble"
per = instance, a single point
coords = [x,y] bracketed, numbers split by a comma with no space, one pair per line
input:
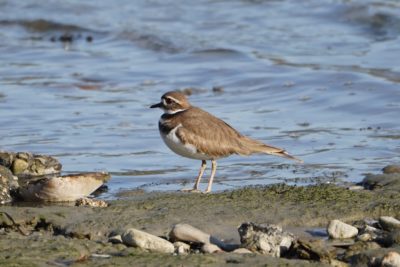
[210,248]
[116,239]
[140,239]
[181,248]
[242,251]
[338,229]
[90,202]
[391,259]
[364,237]
[187,233]
[100,256]
[355,187]
[19,166]
[389,223]
[372,230]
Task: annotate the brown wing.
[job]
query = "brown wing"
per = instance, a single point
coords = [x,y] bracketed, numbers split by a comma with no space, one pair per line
[211,135]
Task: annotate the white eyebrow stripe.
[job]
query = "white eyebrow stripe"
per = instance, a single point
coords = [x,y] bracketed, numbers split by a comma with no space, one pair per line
[174,99]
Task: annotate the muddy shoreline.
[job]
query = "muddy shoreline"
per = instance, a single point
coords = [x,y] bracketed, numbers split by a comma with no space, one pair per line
[63,235]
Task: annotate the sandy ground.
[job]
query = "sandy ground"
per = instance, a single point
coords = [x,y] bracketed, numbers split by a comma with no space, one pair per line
[62,235]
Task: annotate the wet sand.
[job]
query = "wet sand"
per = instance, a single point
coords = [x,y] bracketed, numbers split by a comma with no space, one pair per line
[62,235]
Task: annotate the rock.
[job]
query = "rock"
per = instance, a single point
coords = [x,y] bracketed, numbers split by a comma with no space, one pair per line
[210,248]
[143,240]
[337,263]
[242,251]
[391,169]
[5,221]
[6,158]
[23,163]
[7,182]
[372,230]
[389,223]
[90,202]
[370,233]
[187,233]
[19,166]
[364,237]
[100,256]
[265,238]
[395,237]
[315,250]
[359,247]
[115,239]
[356,187]
[338,229]
[391,259]
[365,258]
[181,248]
[63,188]
[391,182]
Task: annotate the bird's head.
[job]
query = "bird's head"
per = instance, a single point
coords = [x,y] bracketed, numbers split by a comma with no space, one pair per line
[172,102]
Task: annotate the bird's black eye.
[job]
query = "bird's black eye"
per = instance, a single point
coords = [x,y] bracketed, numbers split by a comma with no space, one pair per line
[168,101]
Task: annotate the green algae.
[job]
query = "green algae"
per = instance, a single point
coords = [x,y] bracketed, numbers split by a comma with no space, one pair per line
[62,235]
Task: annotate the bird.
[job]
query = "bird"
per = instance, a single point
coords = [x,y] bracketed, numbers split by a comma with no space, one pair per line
[194,133]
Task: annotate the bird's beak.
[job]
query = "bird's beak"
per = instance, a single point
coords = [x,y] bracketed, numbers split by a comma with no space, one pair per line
[158,105]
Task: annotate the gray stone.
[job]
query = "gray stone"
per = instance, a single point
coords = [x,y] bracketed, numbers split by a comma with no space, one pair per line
[143,240]
[266,239]
[389,223]
[338,229]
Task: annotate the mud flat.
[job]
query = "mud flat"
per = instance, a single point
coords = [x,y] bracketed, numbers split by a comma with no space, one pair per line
[62,235]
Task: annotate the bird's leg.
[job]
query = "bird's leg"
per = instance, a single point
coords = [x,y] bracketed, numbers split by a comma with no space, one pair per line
[213,169]
[202,168]
[196,185]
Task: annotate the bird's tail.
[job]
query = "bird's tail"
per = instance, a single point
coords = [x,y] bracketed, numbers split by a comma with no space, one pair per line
[258,147]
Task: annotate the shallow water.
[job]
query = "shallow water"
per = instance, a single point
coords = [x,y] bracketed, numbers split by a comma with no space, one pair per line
[319,78]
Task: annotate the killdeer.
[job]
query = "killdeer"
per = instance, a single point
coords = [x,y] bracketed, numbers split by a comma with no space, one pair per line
[194,133]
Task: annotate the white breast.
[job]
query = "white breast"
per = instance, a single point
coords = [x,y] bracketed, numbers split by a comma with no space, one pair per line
[185,150]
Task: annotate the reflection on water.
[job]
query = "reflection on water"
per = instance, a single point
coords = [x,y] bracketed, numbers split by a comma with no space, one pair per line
[320,78]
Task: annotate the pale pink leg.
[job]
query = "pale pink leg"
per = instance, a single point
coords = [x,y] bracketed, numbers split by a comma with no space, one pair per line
[202,168]
[196,185]
[213,170]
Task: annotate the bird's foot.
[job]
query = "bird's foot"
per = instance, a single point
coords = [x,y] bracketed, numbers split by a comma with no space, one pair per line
[190,190]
